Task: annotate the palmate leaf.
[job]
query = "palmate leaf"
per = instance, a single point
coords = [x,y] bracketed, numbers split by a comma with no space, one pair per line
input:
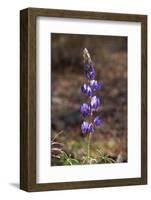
[67,160]
[103,157]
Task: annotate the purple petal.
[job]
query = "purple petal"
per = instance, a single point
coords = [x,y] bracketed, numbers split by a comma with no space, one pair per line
[97,121]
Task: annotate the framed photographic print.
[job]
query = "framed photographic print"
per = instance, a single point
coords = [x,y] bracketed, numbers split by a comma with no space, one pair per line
[83,99]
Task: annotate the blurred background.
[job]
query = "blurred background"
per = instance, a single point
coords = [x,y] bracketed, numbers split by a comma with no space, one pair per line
[109,54]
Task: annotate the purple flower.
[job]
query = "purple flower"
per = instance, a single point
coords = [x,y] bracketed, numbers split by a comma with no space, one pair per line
[97,121]
[86,90]
[91,66]
[85,110]
[87,128]
[95,85]
[95,102]
[89,72]
[91,128]
[84,127]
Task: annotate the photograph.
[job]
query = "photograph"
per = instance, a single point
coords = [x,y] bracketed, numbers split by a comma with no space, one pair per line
[83,99]
[88,99]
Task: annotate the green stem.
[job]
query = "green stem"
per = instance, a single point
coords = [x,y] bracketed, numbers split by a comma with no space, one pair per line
[88,146]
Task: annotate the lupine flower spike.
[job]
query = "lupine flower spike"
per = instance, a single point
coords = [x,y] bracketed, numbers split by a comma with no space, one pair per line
[93,103]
